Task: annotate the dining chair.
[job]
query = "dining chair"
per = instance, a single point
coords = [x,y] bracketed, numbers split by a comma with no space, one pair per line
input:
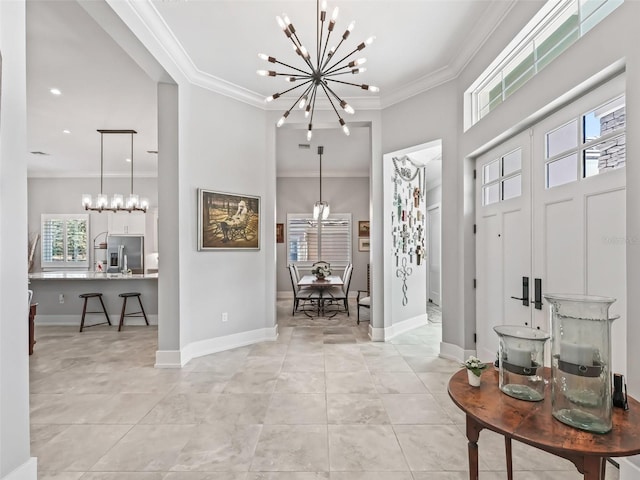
[341,294]
[304,294]
[364,296]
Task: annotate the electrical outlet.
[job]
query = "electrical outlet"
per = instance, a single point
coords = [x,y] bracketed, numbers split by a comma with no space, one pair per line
[61,298]
[225,316]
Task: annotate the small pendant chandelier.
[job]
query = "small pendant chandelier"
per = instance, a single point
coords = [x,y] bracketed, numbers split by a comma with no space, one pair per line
[321,209]
[117,204]
[317,76]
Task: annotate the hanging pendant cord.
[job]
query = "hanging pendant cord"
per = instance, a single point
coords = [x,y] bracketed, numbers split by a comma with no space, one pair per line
[132,164]
[101,159]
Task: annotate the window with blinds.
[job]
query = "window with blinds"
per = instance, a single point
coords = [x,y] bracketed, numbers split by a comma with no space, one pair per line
[312,240]
[65,241]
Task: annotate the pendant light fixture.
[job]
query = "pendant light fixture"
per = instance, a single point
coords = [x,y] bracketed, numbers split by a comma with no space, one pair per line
[317,76]
[117,204]
[321,209]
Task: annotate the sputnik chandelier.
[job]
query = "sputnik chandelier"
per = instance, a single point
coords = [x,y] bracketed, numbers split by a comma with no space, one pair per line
[319,75]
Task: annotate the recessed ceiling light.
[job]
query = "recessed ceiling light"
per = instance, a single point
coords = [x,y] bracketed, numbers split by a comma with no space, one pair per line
[66,131]
[55,91]
[127,160]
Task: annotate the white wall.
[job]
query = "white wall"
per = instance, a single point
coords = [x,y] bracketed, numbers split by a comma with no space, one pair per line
[15,462]
[345,195]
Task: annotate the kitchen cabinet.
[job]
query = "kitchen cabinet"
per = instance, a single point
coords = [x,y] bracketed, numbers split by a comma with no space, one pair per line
[126,223]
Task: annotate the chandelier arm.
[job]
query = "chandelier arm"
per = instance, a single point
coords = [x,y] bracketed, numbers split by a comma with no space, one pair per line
[325,87]
[345,83]
[333,54]
[321,60]
[293,88]
[343,58]
[300,97]
[291,67]
[313,107]
[319,32]
[299,47]
[306,75]
[333,72]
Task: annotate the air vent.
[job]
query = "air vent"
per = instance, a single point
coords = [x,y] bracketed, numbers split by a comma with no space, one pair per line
[40,153]
[304,146]
[152,151]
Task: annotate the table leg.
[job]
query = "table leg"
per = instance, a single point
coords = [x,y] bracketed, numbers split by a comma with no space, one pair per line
[473,433]
[507,450]
[594,468]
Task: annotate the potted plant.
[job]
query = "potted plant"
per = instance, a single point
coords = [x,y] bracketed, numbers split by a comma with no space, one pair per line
[321,271]
[474,369]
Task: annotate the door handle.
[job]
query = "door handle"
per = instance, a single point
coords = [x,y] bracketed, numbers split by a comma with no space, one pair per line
[537,298]
[525,292]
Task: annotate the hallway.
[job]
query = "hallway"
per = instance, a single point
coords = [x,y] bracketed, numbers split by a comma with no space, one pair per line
[322,402]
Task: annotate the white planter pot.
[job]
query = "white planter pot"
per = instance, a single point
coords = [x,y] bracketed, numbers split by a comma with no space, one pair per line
[474,380]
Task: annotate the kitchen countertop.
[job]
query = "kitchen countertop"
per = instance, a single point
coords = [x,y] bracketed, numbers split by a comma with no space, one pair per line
[84,275]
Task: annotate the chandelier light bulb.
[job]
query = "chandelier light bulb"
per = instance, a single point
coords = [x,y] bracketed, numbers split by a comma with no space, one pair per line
[309,134]
[304,52]
[303,102]
[86,200]
[290,79]
[345,128]
[282,119]
[355,71]
[323,6]
[307,111]
[263,56]
[144,204]
[334,15]
[325,210]
[347,108]
[374,89]
[287,22]
[281,23]
[370,40]
[262,73]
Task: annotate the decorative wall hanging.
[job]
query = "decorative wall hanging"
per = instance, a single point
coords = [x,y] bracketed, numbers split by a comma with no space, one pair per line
[407,218]
[228,221]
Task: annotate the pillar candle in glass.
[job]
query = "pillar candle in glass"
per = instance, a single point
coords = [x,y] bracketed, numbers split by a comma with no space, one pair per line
[521,357]
[580,361]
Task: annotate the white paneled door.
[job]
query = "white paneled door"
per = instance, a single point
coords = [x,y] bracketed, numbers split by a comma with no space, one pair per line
[503,241]
[565,231]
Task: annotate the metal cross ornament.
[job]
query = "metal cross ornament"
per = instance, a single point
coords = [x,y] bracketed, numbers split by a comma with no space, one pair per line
[403,272]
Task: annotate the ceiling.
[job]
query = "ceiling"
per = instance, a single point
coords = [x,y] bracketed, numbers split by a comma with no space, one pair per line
[104,88]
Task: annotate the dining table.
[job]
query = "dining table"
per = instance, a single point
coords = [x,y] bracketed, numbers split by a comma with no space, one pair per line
[321,285]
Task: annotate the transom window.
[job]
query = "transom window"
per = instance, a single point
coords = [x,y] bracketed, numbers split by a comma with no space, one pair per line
[557,25]
[588,145]
[65,241]
[502,178]
[310,240]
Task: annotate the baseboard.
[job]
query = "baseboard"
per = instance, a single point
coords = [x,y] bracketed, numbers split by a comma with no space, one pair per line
[629,467]
[220,344]
[454,352]
[168,359]
[27,471]
[377,334]
[74,320]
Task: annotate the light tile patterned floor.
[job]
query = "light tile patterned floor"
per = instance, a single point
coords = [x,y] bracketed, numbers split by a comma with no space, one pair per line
[321,403]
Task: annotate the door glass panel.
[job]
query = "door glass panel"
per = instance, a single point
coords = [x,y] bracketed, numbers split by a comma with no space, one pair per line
[512,162]
[491,194]
[605,156]
[562,139]
[605,119]
[491,172]
[562,171]
[512,187]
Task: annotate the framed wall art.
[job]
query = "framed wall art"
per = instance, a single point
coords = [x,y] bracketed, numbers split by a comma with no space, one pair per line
[363,228]
[363,244]
[279,232]
[228,221]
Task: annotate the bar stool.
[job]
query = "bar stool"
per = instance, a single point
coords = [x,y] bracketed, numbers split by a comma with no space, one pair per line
[132,314]
[86,297]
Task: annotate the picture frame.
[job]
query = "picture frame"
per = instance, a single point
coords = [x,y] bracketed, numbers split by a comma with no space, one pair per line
[228,221]
[279,232]
[364,245]
[363,229]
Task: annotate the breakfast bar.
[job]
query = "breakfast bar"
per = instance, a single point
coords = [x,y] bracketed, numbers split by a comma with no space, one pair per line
[57,294]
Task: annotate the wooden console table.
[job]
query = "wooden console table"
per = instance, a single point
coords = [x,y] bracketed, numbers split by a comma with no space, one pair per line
[32,315]
[532,423]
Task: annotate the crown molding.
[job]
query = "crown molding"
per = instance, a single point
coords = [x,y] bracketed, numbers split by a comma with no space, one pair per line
[76,175]
[147,13]
[493,15]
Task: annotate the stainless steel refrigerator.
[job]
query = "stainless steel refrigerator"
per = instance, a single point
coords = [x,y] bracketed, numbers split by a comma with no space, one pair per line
[125,252]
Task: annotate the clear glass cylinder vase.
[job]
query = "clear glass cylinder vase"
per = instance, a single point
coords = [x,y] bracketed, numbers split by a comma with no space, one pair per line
[521,358]
[581,360]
